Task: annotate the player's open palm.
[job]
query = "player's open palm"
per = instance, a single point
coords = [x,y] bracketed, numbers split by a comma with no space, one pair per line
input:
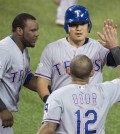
[109,37]
[7,118]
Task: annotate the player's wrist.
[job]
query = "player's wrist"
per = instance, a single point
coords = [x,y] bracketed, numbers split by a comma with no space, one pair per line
[116,54]
[45,98]
[2,106]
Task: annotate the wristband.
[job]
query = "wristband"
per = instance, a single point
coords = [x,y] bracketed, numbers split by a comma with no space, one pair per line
[27,80]
[116,54]
[45,98]
[2,106]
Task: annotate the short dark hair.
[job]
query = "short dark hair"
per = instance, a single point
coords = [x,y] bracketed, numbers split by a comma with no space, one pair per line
[20,19]
[81,67]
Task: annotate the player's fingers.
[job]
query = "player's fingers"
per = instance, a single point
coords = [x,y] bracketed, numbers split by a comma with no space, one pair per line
[111,23]
[8,123]
[101,36]
[114,37]
[112,31]
[107,32]
[5,124]
[110,34]
[106,22]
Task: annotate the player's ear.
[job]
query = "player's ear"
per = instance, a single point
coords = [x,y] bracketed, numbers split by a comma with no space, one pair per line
[68,71]
[19,31]
[92,73]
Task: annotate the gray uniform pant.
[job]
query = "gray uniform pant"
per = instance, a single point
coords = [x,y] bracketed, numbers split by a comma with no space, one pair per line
[64,4]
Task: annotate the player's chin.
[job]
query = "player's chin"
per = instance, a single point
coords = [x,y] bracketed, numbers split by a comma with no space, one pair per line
[80,38]
[32,45]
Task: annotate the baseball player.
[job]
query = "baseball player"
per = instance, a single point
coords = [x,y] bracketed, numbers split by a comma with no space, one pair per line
[56,57]
[62,7]
[82,108]
[15,67]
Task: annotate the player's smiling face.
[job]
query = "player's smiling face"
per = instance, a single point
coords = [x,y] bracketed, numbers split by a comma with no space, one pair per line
[78,31]
[30,33]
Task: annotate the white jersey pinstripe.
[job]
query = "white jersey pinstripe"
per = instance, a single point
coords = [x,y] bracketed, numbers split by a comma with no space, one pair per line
[81,109]
[14,67]
[56,58]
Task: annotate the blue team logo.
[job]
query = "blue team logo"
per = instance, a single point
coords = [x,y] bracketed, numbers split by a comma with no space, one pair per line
[46,107]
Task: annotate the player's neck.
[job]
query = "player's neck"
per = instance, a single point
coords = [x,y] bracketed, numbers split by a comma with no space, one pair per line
[80,81]
[75,43]
[17,42]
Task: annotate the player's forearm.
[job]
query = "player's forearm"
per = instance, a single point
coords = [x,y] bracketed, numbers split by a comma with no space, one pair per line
[45,131]
[43,93]
[32,84]
[42,88]
[47,128]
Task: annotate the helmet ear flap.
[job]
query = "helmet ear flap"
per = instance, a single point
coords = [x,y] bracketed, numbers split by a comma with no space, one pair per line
[90,26]
[66,27]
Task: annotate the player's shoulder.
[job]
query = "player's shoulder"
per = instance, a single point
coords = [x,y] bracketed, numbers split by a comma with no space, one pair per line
[93,41]
[95,44]
[5,40]
[6,43]
[108,86]
[64,90]
[5,49]
[112,82]
[109,89]
[57,43]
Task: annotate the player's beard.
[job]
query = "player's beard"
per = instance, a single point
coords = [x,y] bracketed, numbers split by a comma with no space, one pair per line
[27,43]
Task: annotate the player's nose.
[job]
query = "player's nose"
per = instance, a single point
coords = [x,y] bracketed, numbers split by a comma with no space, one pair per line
[37,33]
[79,27]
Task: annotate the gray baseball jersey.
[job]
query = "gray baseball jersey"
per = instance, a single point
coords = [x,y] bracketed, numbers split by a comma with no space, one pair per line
[56,58]
[14,68]
[81,109]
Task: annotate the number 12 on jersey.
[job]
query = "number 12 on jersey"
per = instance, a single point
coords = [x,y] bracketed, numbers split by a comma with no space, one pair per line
[87,123]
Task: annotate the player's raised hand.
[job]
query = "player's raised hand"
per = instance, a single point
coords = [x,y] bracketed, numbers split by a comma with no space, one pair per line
[109,37]
[110,22]
[7,118]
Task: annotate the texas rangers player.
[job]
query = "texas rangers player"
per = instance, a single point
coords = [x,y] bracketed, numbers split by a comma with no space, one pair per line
[14,67]
[56,57]
[81,108]
[63,5]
